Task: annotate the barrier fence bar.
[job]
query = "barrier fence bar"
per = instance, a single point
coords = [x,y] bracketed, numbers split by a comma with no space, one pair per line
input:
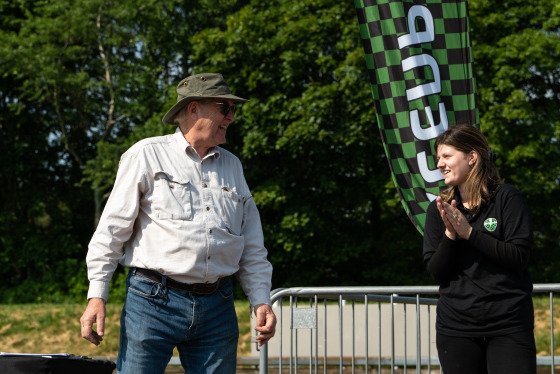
[382,295]
[392,335]
[366,331]
[340,329]
[325,340]
[379,322]
[552,330]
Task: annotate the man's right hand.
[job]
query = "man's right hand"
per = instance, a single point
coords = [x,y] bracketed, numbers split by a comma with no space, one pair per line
[95,313]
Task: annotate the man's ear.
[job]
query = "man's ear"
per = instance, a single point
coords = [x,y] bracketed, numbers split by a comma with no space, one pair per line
[192,108]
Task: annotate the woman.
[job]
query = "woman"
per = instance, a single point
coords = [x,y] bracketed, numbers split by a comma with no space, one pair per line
[477,243]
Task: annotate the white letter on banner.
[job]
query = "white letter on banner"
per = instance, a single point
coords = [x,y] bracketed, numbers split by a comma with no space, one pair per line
[434,130]
[427,174]
[426,88]
[418,37]
[431,196]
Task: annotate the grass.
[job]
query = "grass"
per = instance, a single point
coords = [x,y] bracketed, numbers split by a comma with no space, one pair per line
[542,325]
[55,328]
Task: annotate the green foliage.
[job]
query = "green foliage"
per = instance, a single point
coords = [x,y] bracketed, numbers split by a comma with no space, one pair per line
[516,49]
[84,80]
[76,74]
[310,141]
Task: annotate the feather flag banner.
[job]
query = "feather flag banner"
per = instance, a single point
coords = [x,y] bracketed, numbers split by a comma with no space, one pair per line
[420,66]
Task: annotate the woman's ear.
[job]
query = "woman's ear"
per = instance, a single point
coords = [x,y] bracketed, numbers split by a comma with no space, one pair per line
[473,157]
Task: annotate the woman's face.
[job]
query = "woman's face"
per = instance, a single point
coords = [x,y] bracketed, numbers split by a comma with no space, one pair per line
[454,164]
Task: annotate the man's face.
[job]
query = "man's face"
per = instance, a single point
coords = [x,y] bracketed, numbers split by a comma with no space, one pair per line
[211,126]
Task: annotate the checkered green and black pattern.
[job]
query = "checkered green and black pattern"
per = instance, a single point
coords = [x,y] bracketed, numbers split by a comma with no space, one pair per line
[382,22]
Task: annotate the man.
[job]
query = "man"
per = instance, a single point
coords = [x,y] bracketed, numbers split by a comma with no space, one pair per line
[183,212]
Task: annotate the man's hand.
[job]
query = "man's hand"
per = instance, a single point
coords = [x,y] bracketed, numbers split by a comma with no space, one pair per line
[266,323]
[95,313]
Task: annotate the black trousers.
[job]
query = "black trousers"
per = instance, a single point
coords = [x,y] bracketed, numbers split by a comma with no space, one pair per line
[507,354]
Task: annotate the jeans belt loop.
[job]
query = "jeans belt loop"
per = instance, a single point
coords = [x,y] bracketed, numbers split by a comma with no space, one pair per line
[163,285]
[218,284]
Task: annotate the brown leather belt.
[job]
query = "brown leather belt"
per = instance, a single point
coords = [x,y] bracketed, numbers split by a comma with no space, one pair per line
[195,288]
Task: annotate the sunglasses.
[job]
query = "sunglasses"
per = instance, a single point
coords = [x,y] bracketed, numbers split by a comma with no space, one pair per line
[226,108]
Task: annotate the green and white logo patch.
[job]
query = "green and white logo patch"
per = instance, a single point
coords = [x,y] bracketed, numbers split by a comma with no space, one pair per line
[490,224]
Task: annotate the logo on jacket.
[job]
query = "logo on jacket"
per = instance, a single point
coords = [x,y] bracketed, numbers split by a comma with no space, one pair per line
[490,224]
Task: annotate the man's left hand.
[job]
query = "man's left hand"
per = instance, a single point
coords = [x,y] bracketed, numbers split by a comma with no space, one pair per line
[266,323]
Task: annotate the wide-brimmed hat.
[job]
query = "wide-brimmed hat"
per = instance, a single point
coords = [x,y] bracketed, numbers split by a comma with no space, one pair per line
[199,87]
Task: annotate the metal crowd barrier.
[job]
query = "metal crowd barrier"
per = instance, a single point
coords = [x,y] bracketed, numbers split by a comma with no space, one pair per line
[308,333]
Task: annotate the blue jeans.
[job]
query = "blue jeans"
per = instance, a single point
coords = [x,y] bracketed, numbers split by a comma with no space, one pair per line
[155,320]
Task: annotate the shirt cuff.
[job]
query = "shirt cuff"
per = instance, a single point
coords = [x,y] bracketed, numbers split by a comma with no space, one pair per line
[98,289]
[473,237]
[449,243]
[260,296]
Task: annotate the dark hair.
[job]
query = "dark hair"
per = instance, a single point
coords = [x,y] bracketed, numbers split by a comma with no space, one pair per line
[483,178]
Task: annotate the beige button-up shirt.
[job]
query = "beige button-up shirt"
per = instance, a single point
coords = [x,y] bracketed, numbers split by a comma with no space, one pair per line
[193,220]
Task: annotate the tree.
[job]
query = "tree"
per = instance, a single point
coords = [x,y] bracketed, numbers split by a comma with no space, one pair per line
[311,144]
[84,80]
[79,75]
[516,47]
[310,139]
[38,196]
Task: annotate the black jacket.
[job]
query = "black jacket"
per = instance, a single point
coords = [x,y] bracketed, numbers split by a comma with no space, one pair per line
[485,288]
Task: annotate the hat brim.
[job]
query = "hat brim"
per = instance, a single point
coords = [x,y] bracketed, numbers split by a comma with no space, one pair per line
[170,115]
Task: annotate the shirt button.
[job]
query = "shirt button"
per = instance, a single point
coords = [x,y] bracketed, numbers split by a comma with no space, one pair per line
[204,185]
[210,231]
[207,208]
[209,259]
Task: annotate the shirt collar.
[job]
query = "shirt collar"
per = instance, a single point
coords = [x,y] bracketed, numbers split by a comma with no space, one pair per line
[466,212]
[185,146]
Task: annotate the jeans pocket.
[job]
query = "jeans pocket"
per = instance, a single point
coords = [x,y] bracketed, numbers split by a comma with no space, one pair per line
[144,287]
[226,291]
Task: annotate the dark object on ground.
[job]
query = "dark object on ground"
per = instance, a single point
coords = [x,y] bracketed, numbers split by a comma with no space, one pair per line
[54,364]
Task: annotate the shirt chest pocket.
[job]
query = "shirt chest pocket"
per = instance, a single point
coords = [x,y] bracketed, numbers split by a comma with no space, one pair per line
[172,197]
[233,210]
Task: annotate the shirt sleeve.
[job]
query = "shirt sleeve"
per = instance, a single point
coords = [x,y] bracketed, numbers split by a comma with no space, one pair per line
[440,252]
[115,226]
[513,252]
[255,271]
